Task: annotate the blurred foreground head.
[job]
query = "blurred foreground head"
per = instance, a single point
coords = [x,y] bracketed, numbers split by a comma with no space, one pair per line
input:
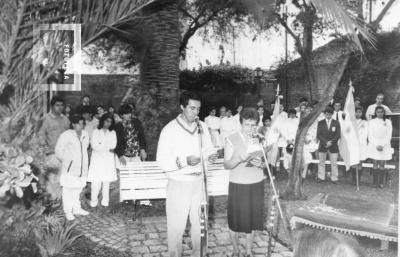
[321,243]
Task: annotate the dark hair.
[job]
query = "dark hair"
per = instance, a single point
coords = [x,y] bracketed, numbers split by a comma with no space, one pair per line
[357,98]
[329,109]
[85,97]
[321,243]
[337,102]
[381,108]
[103,118]
[266,117]
[249,114]
[56,99]
[212,108]
[186,96]
[260,106]
[75,118]
[124,109]
[292,111]
[86,109]
[359,108]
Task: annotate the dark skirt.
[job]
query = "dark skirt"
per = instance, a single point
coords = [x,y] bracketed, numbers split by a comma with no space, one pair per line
[246,207]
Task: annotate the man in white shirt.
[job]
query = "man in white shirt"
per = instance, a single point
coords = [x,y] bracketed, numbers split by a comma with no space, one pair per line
[178,154]
[337,112]
[379,102]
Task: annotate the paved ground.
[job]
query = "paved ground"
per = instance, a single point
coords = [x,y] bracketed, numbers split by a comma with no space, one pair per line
[147,236]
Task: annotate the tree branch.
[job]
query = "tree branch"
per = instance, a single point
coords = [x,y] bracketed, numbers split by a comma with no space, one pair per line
[297,40]
[376,22]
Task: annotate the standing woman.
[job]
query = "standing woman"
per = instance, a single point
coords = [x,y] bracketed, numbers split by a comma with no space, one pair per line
[379,149]
[71,149]
[246,185]
[102,169]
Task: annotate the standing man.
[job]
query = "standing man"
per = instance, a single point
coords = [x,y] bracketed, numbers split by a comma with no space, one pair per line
[54,124]
[378,102]
[328,134]
[131,142]
[178,154]
[337,112]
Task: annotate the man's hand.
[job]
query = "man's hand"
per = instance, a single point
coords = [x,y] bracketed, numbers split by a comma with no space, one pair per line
[192,160]
[143,155]
[212,158]
[122,160]
[328,144]
[379,148]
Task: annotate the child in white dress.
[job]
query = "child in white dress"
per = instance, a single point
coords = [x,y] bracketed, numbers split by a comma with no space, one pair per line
[378,148]
[102,169]
[362,129]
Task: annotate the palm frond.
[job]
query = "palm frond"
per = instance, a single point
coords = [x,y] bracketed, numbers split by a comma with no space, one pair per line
[332,11]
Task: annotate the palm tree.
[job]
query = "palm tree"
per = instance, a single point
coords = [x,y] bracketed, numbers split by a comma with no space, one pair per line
[24,107]
[350,26]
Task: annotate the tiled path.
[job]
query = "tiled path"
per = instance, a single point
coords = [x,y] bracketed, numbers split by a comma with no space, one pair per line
[146,237]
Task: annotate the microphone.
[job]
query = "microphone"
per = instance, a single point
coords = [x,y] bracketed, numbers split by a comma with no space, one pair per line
[199,127]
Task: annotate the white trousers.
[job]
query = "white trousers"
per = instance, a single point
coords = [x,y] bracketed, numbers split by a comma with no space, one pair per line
[71,199]
[183,200]
[105,192]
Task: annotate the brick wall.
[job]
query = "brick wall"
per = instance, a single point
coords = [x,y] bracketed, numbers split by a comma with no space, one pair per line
[103,90]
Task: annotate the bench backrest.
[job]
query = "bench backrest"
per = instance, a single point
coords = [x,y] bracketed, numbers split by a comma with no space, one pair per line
[146,180]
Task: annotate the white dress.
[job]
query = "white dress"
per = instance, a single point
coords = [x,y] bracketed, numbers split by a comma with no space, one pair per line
[213,123]
[103,162]
[379,133]
[362,127]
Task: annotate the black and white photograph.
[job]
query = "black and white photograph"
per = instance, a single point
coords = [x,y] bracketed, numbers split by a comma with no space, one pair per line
[177,128]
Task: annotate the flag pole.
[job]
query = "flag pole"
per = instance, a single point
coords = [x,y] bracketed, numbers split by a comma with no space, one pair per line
[358,186]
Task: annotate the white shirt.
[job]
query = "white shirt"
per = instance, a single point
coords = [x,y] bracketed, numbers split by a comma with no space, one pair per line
[212,122]
[289,129]
[228,126]
[328,123]
[338,114]
[178,140]
[371,110]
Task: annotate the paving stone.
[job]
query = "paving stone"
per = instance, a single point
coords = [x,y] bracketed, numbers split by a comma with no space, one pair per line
[152,242]
[151,255]
[153,235]
[158,248]
[223,238]
[134,243]
[137,237]
[260,250]
[140,249]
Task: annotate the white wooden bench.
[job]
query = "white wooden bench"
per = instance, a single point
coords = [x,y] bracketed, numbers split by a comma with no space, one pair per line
[146,180]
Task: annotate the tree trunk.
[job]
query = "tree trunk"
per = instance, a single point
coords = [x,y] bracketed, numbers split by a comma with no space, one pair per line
[156,98]
[293,189]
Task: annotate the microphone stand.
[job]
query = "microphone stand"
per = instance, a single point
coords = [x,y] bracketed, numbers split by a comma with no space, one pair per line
[203,212]
[275,205]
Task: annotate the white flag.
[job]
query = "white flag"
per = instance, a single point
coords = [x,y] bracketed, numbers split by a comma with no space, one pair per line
[348,145]
[274,134]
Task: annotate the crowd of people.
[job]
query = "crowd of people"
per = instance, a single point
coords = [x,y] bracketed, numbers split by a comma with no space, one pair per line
[90,144]
[374,134]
